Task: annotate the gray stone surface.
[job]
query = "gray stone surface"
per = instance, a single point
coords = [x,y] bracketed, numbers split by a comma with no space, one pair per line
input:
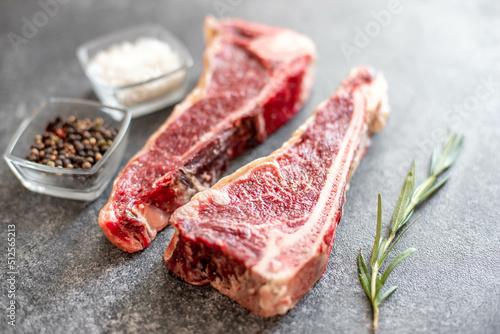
[434,54]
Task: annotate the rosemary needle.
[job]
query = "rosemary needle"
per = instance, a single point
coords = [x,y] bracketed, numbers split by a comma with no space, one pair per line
[372,278]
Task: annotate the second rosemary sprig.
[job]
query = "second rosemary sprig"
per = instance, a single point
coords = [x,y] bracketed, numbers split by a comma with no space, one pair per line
[374,280]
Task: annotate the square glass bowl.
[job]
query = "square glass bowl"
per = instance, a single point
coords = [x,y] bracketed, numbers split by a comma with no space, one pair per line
[142,97]
[79,184]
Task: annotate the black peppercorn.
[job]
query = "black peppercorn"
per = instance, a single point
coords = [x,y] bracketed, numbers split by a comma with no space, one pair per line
[78,146]
[72,143]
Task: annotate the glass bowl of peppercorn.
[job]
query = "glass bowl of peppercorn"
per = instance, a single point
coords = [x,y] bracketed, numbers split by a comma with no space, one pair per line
[69,148]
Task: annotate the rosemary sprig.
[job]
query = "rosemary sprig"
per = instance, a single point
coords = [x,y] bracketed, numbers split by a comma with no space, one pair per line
[374,280]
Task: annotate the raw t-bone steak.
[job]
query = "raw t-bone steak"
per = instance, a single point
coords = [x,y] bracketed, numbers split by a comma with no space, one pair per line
[255,79]
[262,236]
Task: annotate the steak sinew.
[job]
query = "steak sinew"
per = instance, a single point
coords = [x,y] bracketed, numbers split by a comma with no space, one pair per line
[262,236]
[255,79]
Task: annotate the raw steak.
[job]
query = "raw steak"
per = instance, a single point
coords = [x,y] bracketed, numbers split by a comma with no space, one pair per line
[262,236]
[255,79]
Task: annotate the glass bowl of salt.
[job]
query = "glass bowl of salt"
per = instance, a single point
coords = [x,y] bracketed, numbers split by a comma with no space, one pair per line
[142,69]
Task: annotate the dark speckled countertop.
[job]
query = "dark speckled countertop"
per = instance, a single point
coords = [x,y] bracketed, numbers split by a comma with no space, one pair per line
[442,62]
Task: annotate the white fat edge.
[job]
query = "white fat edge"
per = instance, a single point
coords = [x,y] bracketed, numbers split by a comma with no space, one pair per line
[290,44]
[363,144]
[375,92]
[377,110]
[377,104]
[283,45]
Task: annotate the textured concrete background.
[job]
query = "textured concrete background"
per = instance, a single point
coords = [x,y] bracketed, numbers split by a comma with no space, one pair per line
[436,57]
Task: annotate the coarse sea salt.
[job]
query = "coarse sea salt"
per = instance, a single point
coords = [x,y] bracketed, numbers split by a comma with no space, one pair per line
[132,63]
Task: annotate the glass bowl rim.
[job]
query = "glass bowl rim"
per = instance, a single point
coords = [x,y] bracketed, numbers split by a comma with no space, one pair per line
[170,38]
[53,170]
